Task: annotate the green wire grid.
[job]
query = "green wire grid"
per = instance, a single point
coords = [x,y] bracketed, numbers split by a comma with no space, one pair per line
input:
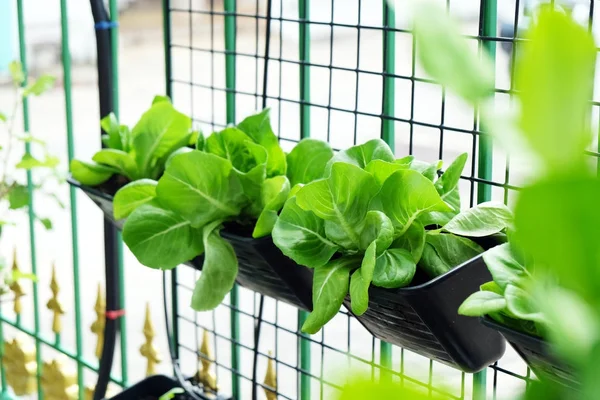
[226,70]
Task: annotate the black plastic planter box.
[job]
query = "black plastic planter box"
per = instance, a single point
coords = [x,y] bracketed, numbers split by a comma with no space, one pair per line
[262,266]
[537,354]
[155,386]
[424,319]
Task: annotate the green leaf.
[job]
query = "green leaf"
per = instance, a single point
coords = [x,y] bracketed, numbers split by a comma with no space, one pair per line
[233,145]
[382,170]
[361,155]
[412,240]
[359,293]
[330,286]
[219,270]
[200,141]
[201,188]
[18,197]
[133,195]
[91,174]
[274,194]
[394,268]
[377,229]
[484,219]
[428,170]
[16,72]
[306,162]
[342,199]
[28,162]
[443,252]
[111,126]
[258,127]
[161,238]
[159,99]
[181,150]
[570,323]
[160,131]
[300,235]
[405,195]
[3,117]
[28,138]
[503,266]
[482,303]
[452,199]
[41,85]
[446,56]
[492,287]
[361,280]
[448,182]
[46,222]
[119,160]
[558,223]
[406,160]
[520,303]
[555,78]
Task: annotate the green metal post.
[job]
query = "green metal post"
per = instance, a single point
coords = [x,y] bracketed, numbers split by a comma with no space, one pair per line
[36,313]
[304,57]
[114,18]
[387,130]
[484,168]
[66,61]
[230,75]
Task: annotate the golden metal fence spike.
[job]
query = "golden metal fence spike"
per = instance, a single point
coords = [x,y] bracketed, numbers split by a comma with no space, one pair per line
[16,287]
[20,366]
[97,326]
[54,304]
[205,376]
[58,383]
[148,350]
[271,379]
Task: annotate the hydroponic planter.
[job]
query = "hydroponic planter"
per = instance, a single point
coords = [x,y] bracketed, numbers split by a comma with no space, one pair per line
[424,319]
[153,387]
[262,266]
[537,354]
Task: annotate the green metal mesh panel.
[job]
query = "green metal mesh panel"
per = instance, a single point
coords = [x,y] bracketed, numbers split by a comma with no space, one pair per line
[345,72]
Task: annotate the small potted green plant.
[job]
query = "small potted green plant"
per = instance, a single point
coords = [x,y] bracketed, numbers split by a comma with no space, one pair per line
[221,201]
[136,155]
[390,233]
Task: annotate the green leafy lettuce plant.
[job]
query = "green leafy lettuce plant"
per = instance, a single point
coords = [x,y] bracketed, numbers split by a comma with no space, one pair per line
[138,153]
[238,176]
[373,219]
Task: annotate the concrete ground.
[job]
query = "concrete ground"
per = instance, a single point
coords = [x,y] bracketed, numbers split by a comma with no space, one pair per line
[141,76]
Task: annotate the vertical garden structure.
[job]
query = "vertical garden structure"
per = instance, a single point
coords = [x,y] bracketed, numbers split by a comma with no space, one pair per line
[335,72]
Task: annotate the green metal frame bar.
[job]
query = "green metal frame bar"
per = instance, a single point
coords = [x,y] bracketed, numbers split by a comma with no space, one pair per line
[114,18]
[32,242]
[388,132]
[230,84]
[66,61]
[304,58]
[485,151]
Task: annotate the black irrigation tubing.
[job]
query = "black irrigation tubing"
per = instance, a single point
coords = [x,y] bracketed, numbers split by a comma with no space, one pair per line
[258,322]
[106,92]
